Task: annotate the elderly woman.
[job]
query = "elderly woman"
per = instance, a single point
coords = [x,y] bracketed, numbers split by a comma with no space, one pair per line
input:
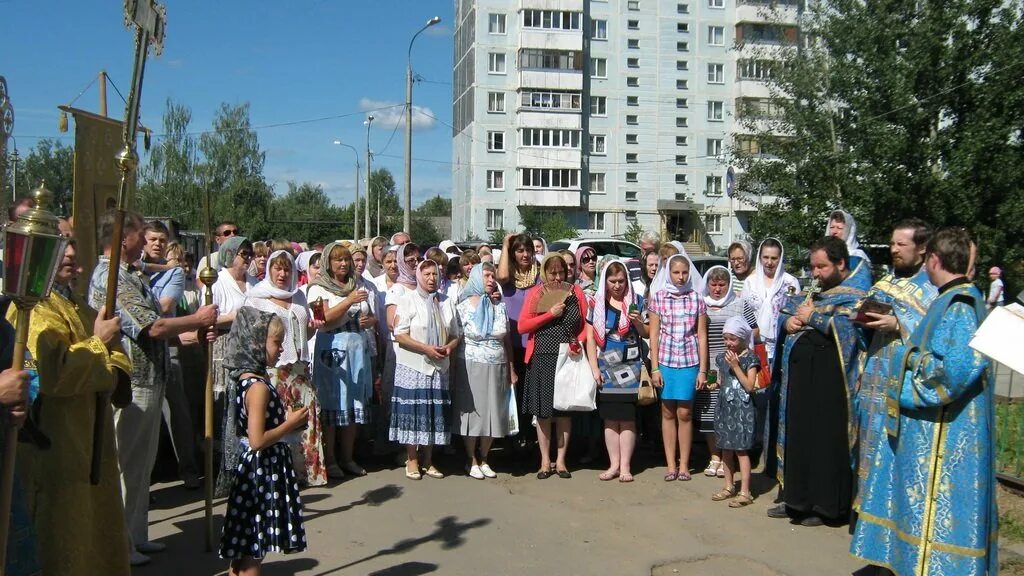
[278,293]
[721,304]
[741,254]
[341,359]
[375,258]
[485,372]
[564,323]
[427,334]
[229,292]
[613,347]
[386,349]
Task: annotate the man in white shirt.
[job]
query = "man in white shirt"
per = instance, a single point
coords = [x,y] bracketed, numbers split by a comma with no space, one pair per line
[224,230]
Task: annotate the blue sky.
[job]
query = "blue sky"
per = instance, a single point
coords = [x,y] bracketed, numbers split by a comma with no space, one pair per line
[291,60]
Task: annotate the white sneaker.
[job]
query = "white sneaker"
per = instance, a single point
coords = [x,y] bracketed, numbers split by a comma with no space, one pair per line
[486,469]
[138,559]
[475,472]
[151,547]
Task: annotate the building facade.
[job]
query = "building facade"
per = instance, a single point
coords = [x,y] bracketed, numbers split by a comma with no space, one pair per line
[608,111]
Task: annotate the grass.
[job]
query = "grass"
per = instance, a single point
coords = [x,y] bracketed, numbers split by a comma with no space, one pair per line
[1010,437]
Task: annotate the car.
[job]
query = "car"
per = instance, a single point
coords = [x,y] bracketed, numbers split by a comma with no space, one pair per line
[626,251]
[705,263]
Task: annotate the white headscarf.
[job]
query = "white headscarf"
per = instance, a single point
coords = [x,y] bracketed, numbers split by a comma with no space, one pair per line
[447,245]
[738,327]
[599,323]
[302,261]
[729,294]
[266,287]
[763,296]
[852,245]
[663,280]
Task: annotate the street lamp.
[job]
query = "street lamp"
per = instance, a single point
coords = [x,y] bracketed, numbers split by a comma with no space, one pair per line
[15,158]
[355,206]
[366,211]
[407,218]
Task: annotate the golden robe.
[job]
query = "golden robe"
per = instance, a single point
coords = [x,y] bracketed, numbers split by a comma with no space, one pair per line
[80,527]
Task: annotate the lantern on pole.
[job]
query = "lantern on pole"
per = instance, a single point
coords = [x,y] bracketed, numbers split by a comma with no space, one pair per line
[33,250]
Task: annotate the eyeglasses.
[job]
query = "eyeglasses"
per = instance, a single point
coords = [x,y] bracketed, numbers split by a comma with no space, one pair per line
[246,255]
[737,259]
[230,232]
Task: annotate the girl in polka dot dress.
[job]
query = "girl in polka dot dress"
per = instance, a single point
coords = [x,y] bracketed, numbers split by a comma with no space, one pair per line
[264,513]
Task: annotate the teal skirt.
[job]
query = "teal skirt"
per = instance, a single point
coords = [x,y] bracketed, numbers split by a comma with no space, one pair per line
[680,383]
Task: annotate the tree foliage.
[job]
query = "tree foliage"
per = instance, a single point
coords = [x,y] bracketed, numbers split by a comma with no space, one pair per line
[633,232]
[48,160]
[550,225]
[890,110]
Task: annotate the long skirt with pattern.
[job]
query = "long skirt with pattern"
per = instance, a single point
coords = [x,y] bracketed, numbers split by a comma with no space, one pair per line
[420,406]
[295,389]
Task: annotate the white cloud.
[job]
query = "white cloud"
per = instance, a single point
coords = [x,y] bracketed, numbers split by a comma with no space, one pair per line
[387,114]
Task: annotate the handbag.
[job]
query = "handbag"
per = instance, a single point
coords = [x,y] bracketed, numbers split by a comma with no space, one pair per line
[764,375]
[575,387]
[646,395]
[513,412]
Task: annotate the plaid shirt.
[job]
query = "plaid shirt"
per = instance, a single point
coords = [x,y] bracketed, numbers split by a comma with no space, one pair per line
[677,345]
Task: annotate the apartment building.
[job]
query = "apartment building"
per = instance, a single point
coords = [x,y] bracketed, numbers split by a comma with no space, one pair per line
[609,111]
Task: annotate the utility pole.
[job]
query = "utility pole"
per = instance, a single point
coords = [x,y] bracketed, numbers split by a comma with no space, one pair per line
[366,212]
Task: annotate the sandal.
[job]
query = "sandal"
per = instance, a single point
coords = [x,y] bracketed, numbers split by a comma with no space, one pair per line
[712,468]
[685,477]
[742,499]
[545,474]
[414,475]
[434,473]
[671,476]
[624,478]
[608,475]
[724,494]
[721,470]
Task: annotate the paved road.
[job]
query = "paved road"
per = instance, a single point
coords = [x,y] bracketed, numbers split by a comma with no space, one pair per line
[384,524]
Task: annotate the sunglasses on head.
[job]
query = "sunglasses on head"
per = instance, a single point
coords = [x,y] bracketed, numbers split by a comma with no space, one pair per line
[230,232]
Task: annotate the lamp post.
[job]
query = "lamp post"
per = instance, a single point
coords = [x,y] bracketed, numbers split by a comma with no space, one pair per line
[15,158]
[366,211]
[33,249]
[355,206]
[407,217]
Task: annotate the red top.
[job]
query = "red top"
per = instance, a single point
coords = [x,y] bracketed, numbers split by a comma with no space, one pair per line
[530,320]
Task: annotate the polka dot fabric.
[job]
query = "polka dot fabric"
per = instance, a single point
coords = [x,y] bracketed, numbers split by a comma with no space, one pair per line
[264,512]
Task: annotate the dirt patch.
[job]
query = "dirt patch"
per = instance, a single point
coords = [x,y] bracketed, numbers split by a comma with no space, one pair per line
[1011,515]
[715,565]
[1013,566]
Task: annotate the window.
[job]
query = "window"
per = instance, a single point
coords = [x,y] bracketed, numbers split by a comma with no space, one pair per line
[630,214]
[682,46]
[633,43]
[681,159]
[632,158]
[598,106]
[682,84]
[681,179]
[716,3]
[632,119]
[681,122]
[632,100]
[550,100]
[633,4]
[552,19]
[716,35]
[682,103]
[633,82]
[714,147]
[538,58]
[681,140]
[495,219]
[715,113]
[496,63]
[631,139]
[633,62]
[713,223]
[596,220]
[630,196]
[599,29]
[633,24]
[495,180]
[597,145]
[496,102]
[495,141]
[631,177]
[550,138]
[716,73]
[598,68]
[682,8]
[753,69]
[682,27]
[550,178]
[496,23]
[682,65]
[714,186]
[597,183]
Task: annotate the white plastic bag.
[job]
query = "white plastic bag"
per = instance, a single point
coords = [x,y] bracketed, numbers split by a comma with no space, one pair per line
[575,387]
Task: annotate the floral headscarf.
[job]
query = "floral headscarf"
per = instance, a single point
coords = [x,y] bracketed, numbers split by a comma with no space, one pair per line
[326,281]
[406,274]
[600,301]
[247,342]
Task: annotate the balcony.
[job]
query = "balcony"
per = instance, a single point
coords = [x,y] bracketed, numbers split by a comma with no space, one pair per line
[528,118]
[550,157]
[551,39]
[565,5]
[549,198]
[551,79]
[755,11]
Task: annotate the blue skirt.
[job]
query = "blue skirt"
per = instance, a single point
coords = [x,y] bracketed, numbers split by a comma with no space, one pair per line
[680,383]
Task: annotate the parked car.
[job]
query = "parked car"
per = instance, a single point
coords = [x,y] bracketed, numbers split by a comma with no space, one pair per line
[704,263]
[628,252]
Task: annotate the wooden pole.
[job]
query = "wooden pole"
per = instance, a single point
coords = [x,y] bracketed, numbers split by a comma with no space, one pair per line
[103,92]
[208,276]
[11,438]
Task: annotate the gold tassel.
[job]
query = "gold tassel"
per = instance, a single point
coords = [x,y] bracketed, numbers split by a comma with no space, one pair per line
[62,124]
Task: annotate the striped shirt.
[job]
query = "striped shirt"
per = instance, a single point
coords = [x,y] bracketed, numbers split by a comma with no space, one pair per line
[716,323]
[679,313]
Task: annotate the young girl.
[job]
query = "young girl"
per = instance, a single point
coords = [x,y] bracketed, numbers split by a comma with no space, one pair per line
[264,512]
[679,355]
[734,420]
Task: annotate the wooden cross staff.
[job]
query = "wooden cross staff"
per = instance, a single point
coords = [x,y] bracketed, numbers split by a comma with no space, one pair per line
[149,19]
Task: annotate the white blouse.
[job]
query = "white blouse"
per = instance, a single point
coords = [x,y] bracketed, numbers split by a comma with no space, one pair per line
[413,319]
[226,294]
[296,319]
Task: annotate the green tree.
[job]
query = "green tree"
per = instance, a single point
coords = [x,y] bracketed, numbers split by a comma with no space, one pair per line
[167,182]
[891,110]
[436,206]
[382,183]
[498,236]
[633,232]
[548,224]
[48,160]
[305,213]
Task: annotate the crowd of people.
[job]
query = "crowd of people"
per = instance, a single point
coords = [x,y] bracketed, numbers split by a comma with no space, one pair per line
[859,394]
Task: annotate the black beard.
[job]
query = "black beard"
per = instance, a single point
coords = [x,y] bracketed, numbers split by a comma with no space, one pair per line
[907,271]
[829,282]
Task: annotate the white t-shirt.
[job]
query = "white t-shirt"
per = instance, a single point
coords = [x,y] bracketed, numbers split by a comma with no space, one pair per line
[997,284]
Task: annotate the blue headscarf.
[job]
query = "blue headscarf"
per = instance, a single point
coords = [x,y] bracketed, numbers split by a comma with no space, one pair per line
[484,315]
